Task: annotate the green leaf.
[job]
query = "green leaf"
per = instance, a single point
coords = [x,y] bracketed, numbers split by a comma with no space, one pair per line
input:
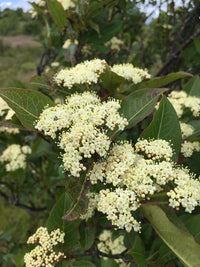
[110,79]
[81,263]
[58,14]
[87,233]
[138,105]
[180,242]
[196,134]
[193,226]
[106,262]
[138,252]
[165,125]
[79,205]
[28,104]
[192,87]
[70,228]
[197,44]
[40,82]
[160,81]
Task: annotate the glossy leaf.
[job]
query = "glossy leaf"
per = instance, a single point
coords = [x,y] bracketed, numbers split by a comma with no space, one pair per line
[111,80]
[138,252]
[179,241]
[58,14]
[165,125]
[28,104]
[55,221]
[138,105]
[161,81]
[192,87]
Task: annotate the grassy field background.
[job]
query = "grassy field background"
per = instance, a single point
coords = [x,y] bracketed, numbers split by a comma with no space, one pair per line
[19,56]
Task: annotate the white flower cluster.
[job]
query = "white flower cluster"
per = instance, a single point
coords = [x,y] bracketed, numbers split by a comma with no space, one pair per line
[188,148]
[115,43]
[130,73]
[86,72]
[180,101]
[186,129]
[154,149]
[109,245]
[40,3]
[80,120]
[15,156]
[89,72]
[186,192]
[118,206]
[67,4]
[43,254]
[135,175]
[6,111]
[69,42]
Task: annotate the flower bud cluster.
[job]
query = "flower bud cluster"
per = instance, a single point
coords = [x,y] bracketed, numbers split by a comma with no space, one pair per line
[188,148]
[186,193]
[186,129]
[15,156]
[115,43]
[84,121]
[154,149]
[136,175]
[87,72]
[118,205]
[43,254]
[107,244]
[181,101]
[130,73]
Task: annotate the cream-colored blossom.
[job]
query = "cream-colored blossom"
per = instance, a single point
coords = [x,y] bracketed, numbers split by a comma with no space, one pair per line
[136,177]
[40,3]
[180,101]
[5,110]
[83,122]
[67,43]
[109,245]
[131,73]
[115,43]
[186,193]
[188,148]
[186,129]
[15,157]
[155,149]
[43,254]
[118,206]
[9,130]
[55,64]
[67,4]
[87,72]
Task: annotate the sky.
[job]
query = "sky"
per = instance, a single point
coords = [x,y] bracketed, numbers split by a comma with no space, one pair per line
[13,4]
